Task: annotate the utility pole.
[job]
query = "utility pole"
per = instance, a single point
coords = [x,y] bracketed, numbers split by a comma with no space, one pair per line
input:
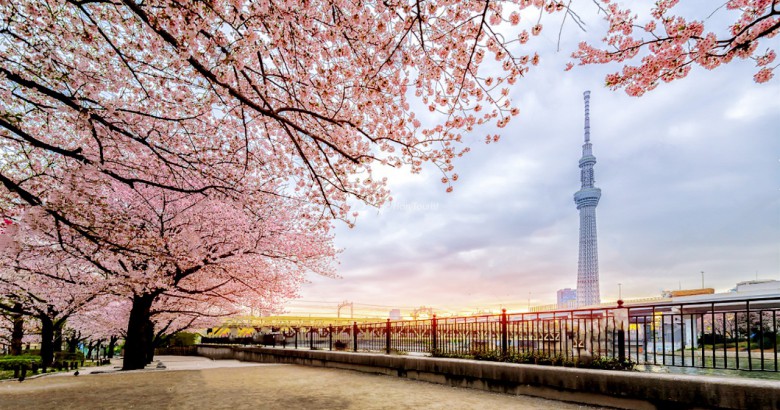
[702,279]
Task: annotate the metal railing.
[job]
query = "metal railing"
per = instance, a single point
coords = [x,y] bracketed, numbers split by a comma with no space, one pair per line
[733,334]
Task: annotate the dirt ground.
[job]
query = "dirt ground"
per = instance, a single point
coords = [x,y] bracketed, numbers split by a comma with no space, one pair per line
[245,386]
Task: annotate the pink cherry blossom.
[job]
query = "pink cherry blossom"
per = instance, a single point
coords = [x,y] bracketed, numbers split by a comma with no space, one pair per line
[671,44]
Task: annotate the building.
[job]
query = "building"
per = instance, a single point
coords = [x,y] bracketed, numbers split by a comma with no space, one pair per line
[587,198]
[567,298]
[758,286]
[395,314]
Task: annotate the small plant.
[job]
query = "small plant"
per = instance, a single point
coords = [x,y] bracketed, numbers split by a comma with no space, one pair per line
[339,345]
[611,363]
[489,355]
[449,355]
[539,358]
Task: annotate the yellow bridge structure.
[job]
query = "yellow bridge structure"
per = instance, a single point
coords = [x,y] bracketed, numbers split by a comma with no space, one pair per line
[247,326]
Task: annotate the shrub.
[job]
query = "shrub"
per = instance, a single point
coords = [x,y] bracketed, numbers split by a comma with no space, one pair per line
[489,355]
[183,339]
[539,358]
[68,360]
[16,362]
[449,355]
[339,345]
[611,363]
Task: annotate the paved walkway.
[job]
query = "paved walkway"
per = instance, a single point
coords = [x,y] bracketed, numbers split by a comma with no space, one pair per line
[196,382]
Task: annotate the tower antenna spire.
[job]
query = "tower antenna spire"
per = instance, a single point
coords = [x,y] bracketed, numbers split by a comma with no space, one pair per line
[586,95]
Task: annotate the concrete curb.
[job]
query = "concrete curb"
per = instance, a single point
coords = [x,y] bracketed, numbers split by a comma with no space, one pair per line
[618,389]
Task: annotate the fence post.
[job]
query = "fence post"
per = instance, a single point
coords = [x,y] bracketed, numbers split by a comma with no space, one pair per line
[747,327]
[311,338]
[330,337]
[504,344]
[387,337]
[354,336]
[434,329]
[296,337]
[621,333]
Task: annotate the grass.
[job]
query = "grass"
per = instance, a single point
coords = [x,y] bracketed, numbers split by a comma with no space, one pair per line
[741,346]
[9,374]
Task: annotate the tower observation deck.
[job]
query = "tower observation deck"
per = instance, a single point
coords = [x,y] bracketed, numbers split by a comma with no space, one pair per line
[587,198]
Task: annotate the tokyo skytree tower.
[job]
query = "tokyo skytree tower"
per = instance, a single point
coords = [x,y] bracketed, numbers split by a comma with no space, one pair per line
[586,199]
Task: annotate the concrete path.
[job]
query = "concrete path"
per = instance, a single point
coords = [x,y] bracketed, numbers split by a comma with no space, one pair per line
[195,382]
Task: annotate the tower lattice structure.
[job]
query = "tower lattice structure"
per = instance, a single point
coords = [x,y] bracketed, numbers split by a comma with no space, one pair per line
[587,198]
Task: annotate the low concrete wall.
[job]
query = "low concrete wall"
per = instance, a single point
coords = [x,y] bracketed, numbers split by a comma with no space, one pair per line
[627,390]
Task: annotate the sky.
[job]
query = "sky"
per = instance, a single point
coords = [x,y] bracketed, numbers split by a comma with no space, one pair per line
[690,180]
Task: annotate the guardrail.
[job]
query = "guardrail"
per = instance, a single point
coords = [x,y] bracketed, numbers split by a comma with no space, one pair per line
[734,334]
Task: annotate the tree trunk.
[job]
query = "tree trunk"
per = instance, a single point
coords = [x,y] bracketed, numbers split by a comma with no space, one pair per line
[111,346]
[152,342]
[90,348]
[73,342]
[139,332]
[57,342]
[18,330]
[47,341]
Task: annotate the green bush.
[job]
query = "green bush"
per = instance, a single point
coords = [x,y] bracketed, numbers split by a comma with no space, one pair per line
[15,362]
[611,363]
[68,360]
[489,355]
[68,357]
[183,339]
[449,355]
[539,358]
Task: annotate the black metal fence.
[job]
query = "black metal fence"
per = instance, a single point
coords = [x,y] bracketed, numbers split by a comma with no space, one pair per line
[731,334]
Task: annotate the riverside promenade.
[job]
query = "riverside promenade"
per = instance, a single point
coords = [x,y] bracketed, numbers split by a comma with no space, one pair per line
[615,389]
[189,382]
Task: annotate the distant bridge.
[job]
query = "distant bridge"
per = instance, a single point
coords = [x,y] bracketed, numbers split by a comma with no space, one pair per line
[249,325]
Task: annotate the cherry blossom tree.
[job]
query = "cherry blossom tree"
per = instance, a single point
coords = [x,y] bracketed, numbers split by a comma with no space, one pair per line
[6,326]
[670,45]
[13,329]
[193,96]
[45,284]
[17,327]
[188,254]
[107,318]
[104,319]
